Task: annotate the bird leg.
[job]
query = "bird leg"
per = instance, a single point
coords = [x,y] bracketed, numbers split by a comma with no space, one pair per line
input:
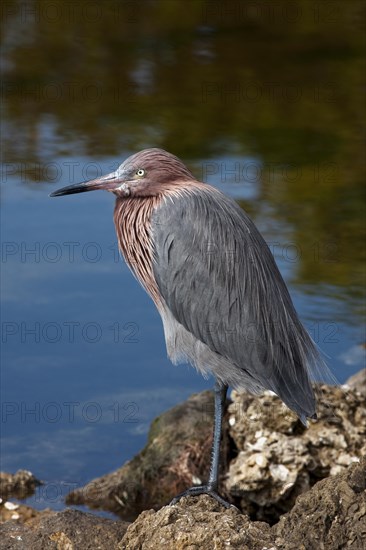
[212,485]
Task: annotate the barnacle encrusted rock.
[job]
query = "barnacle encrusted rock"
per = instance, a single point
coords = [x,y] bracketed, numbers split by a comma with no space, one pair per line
[330,516]
[268,456]
[20,485]
[278,458]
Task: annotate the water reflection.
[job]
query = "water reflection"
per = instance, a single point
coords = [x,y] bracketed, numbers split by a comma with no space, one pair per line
[103,79]
[262,99]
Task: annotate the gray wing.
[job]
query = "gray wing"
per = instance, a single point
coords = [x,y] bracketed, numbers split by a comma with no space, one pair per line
[220,281]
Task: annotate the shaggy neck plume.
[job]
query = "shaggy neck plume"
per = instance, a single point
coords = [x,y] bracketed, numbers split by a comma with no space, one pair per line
[132,219]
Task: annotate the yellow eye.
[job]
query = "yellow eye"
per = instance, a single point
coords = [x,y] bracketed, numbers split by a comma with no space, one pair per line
[140,173]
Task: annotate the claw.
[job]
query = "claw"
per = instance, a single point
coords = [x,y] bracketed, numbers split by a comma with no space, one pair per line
[202,490]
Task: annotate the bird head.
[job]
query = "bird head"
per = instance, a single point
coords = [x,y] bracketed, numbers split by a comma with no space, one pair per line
[146,173]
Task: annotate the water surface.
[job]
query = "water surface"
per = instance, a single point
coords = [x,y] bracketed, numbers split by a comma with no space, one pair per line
[265,103]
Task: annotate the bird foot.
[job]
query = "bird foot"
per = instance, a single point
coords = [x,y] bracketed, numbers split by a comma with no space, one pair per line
[202,490]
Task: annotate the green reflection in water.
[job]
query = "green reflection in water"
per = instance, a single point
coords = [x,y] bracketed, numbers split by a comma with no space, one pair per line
[280,81]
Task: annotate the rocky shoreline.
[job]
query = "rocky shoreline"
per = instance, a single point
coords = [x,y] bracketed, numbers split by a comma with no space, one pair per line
[296,488]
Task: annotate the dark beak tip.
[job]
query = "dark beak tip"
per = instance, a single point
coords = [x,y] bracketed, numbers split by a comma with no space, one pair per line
[70,190]
[58,193]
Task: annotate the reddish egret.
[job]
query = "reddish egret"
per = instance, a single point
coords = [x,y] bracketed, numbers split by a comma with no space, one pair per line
[224,305]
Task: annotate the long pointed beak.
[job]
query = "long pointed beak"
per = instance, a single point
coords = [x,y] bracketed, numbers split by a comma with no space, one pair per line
[109,183]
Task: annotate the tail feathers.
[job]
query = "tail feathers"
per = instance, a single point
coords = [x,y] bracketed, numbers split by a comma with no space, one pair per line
[297,393]
[296,363]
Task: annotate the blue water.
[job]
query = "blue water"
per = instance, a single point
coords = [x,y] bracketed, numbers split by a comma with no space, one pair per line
[84,366]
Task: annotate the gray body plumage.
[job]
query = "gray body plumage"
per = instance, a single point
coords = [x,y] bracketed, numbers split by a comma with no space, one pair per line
[226,308]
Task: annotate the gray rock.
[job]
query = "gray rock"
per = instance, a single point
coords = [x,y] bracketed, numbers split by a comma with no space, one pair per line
[20,485]
[67,530]
[268,456]
[278,458]
[330,516]
[197,523]
[274,474]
